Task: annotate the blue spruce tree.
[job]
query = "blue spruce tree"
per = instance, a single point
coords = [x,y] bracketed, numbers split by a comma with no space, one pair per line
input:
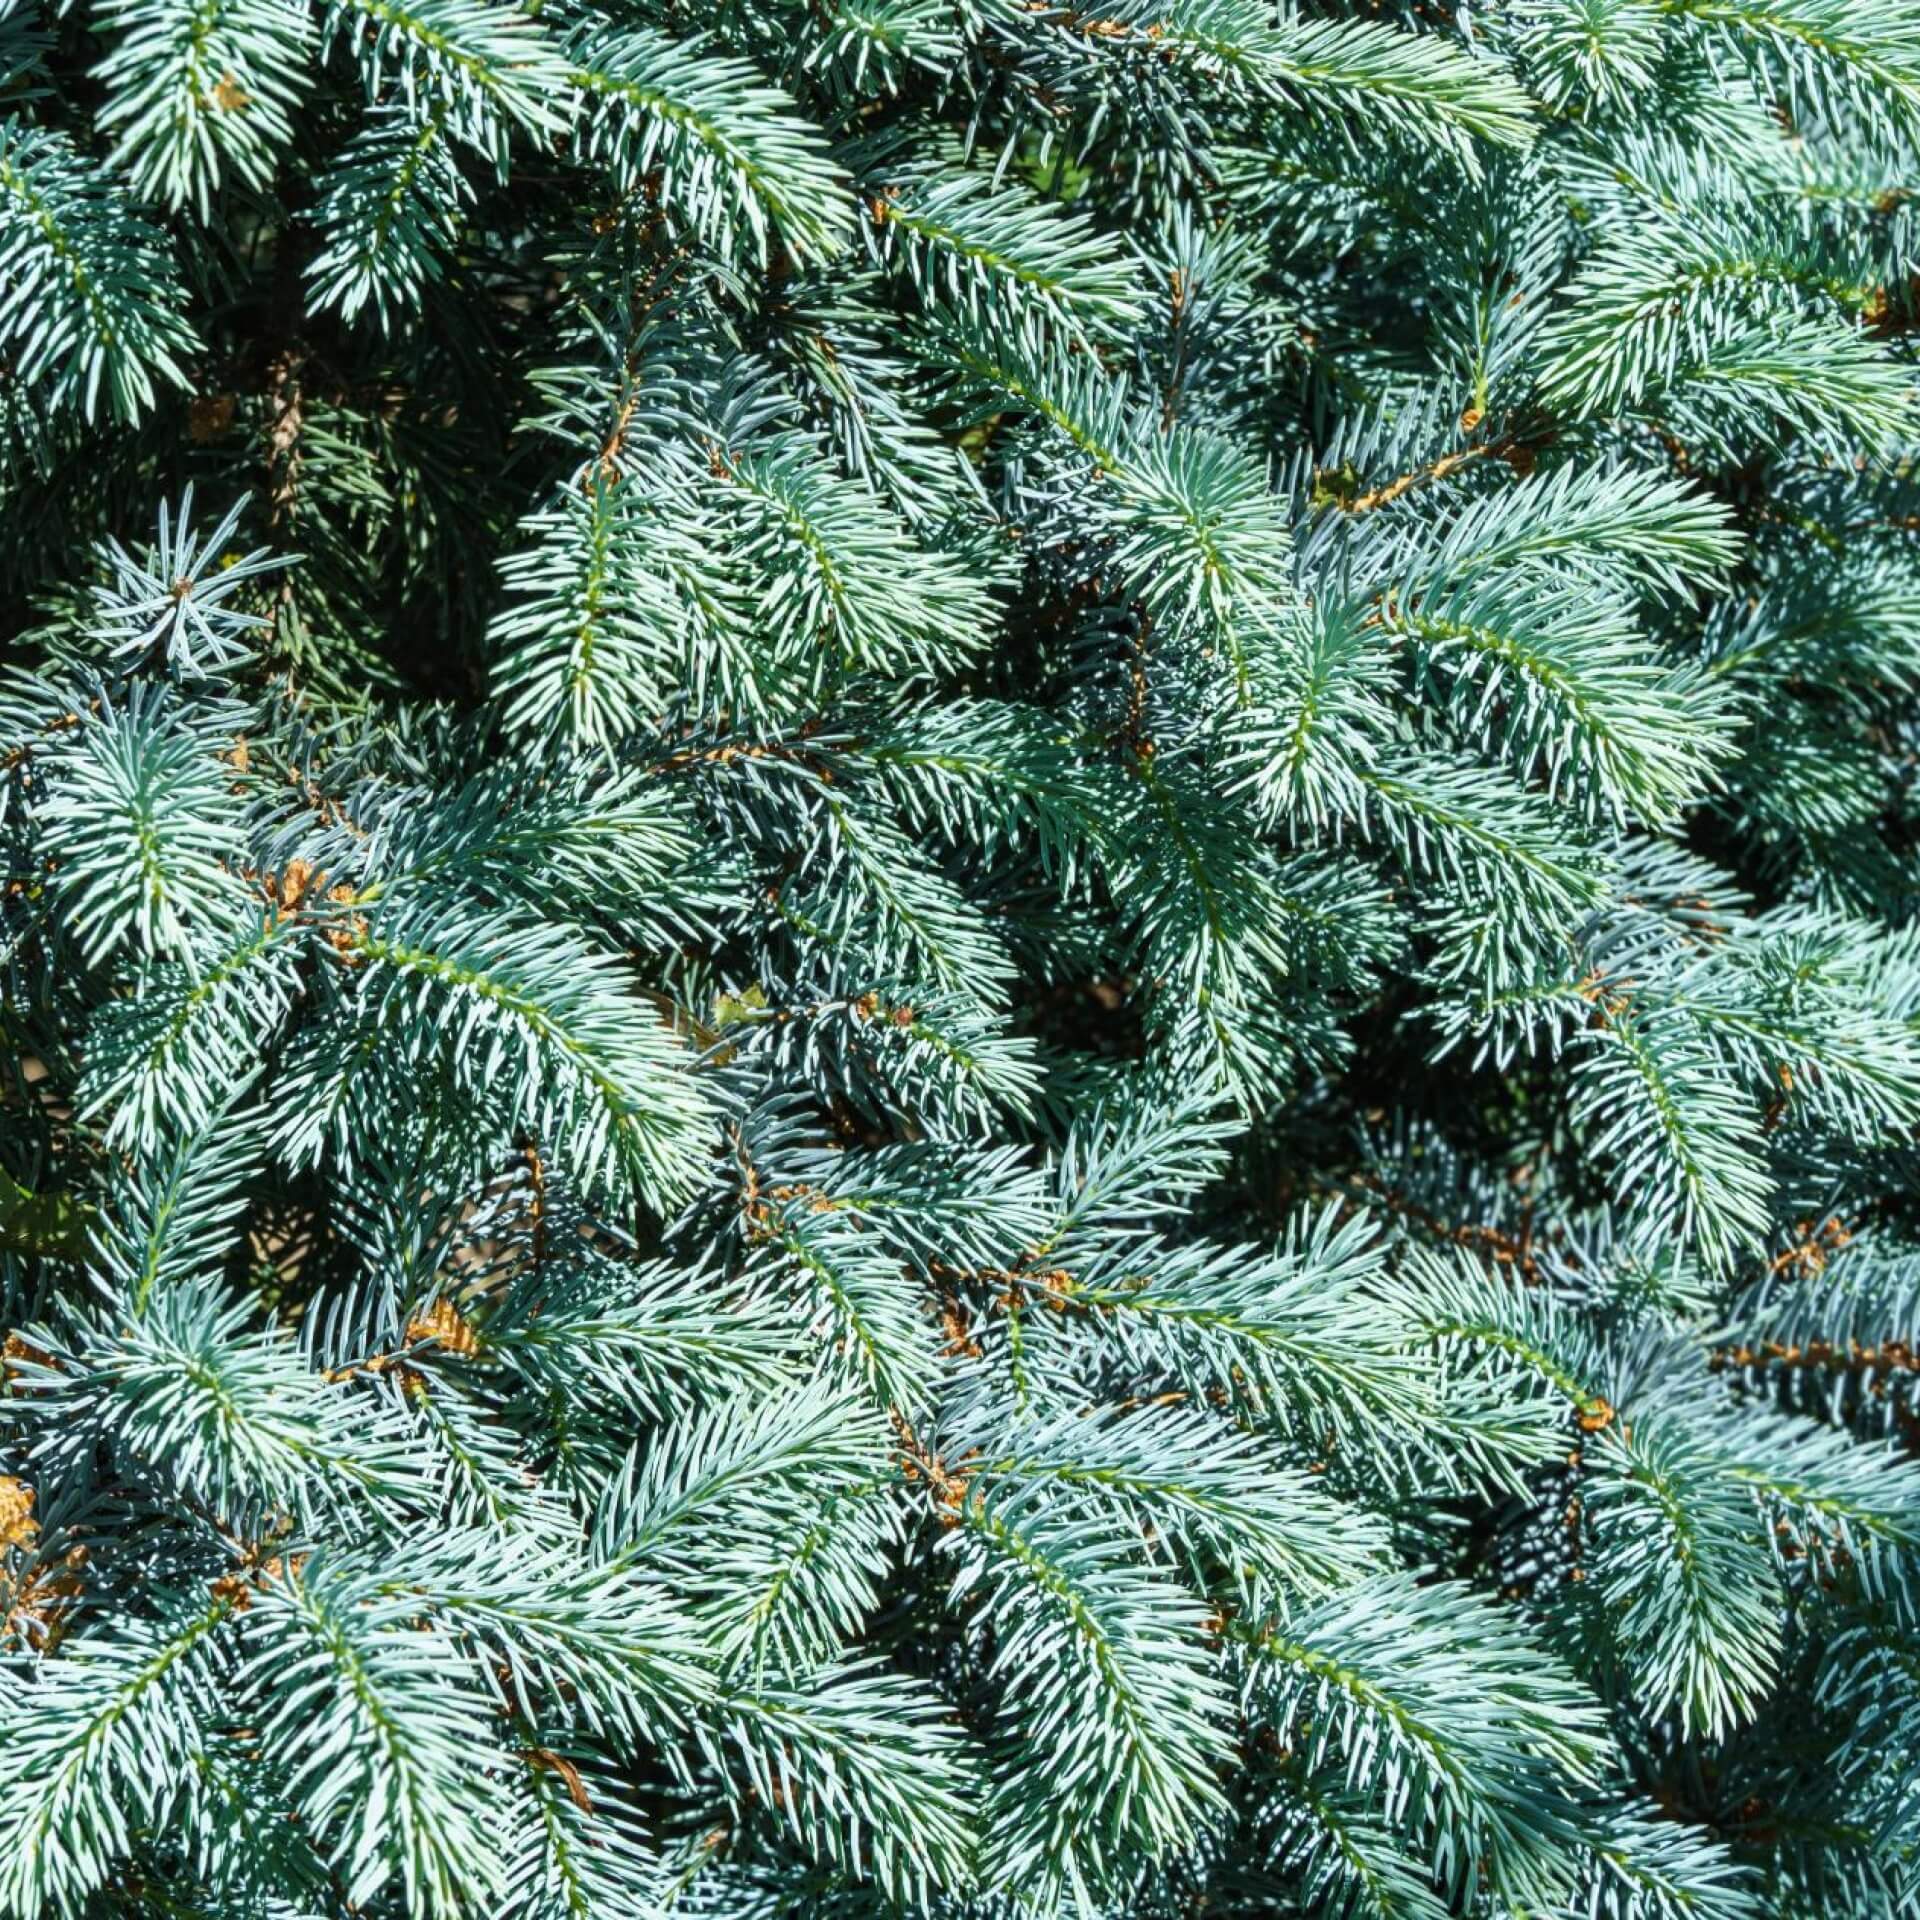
[960,959]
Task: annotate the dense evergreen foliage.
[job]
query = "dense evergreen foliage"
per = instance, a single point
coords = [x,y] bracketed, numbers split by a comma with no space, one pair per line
[960,958]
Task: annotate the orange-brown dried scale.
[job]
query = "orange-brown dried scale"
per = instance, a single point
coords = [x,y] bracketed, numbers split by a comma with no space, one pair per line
[18,1528]
[17,1354]
[36,1609]
[960,1340]
[1057,1288]
[947,1484]
[443,1324]
[1811,1248]
[346,938]
[234,1590]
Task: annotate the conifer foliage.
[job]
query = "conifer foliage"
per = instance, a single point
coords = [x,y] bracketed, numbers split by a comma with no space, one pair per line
[961,958]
